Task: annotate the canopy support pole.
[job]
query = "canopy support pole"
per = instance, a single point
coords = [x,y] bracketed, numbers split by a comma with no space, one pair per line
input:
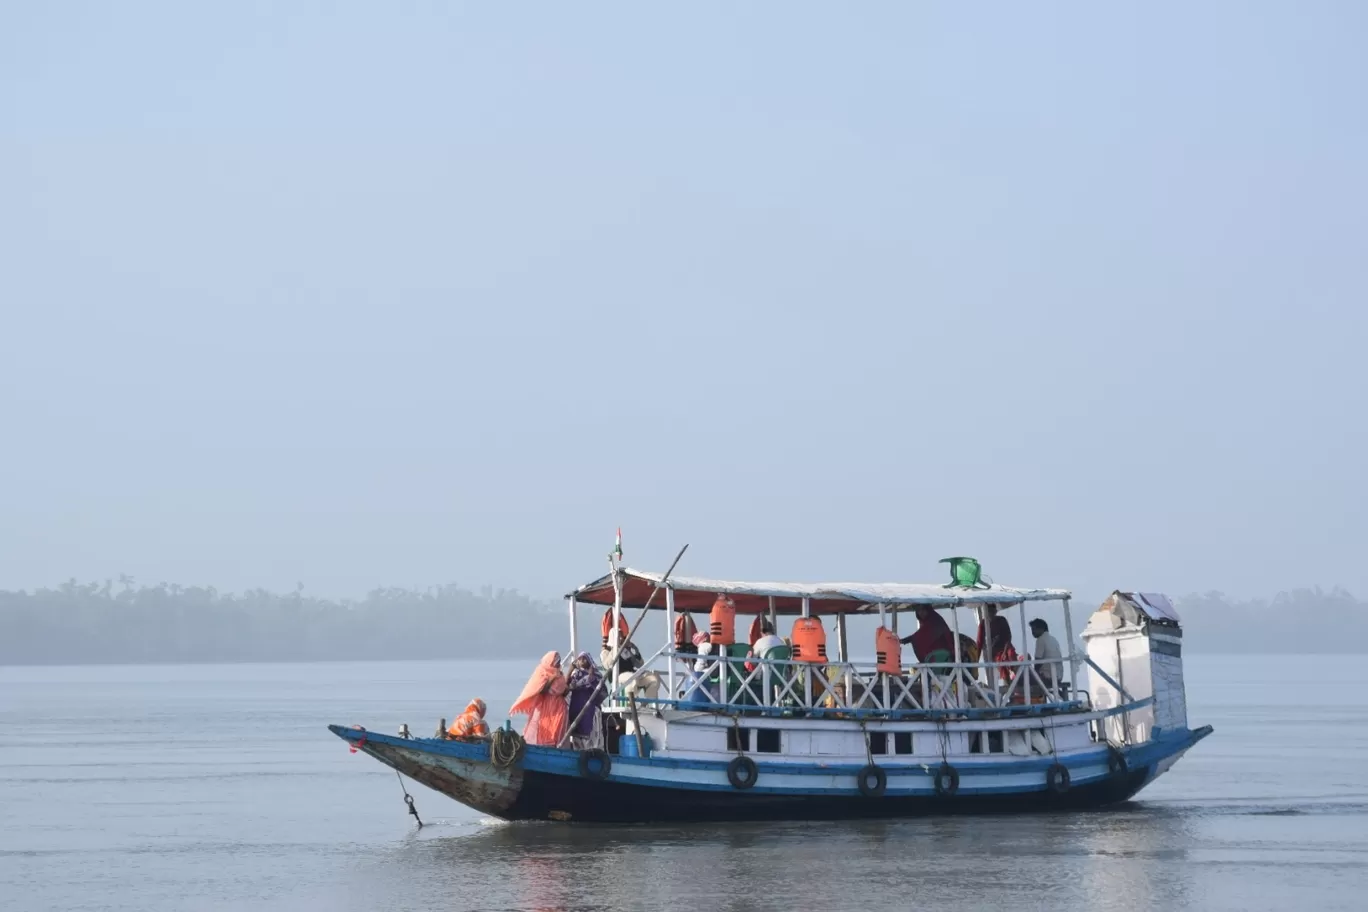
[574,634]
[961,685]
[773,615]
[807,607]
[1025,669]
[992,654]
[1073,652]
[615,635]
[669,634]
[841,645]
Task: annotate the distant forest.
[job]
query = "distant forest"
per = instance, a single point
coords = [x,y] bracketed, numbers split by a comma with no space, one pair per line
[120,622]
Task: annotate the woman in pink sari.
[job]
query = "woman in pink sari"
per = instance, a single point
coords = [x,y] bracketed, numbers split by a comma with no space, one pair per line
[543,699]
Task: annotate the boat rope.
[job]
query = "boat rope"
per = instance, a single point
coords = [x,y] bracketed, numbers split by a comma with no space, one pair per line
[505,747]
[869,751]
[408,799]
[944,737]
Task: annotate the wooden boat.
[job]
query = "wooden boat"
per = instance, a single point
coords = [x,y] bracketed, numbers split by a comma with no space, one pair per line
[731,736]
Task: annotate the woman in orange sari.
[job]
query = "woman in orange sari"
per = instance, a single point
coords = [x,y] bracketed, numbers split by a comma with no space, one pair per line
[543,700]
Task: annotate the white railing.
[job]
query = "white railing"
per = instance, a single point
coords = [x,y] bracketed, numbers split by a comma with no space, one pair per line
[749,683]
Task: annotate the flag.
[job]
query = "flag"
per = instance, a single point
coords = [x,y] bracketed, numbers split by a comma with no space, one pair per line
[617,546]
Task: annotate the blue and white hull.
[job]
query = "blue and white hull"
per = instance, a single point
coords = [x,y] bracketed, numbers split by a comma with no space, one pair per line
[552,784]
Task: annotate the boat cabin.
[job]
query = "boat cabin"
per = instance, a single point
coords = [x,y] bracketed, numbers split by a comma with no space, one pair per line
[775,671]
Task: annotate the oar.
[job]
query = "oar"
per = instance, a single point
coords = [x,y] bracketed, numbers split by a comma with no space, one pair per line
[612,662]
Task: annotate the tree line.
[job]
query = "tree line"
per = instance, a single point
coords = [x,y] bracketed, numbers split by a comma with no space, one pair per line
[78,623]
[109,622]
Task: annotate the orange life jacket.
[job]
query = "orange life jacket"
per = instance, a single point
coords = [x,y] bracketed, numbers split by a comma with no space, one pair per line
[608,626]
[755,631]
[809,641]
[722,622]
[685,630]
[888,651]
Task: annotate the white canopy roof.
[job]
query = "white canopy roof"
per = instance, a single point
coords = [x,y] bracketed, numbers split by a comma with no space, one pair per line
[826,598]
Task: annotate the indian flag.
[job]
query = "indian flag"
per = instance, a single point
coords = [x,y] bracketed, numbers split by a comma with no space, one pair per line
[617,545]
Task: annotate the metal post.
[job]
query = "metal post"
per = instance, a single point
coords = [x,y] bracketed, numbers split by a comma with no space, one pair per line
[669,634]
[807,607]
[991,666]
[574,634]
[1026,670]
[773,615]
[1073,653]
[841,646]
[961,685]
[615,635]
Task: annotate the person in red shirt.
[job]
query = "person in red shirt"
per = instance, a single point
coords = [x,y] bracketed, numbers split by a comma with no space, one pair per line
[931,637]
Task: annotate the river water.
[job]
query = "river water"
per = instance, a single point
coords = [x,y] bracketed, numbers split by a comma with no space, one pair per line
[218,787]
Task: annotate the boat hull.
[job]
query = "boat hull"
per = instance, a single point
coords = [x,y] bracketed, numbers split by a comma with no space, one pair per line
[546,784]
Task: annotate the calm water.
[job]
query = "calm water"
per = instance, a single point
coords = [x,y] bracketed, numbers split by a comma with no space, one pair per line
[218,787]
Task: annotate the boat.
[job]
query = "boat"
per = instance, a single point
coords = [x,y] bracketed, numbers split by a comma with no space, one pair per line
[797,734]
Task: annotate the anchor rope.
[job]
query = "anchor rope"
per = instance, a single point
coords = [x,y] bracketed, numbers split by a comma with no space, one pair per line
[505,747]
[408,799]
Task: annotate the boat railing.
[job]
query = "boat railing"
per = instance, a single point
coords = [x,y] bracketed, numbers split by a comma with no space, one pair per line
[751,684]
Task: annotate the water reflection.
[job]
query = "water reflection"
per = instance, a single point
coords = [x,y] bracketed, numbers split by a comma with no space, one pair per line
[1103,861]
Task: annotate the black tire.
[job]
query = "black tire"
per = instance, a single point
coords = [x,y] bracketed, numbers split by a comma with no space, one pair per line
[595,763]
[1057,779]
[947,780]
[1116,761]
[872,781]
[741,772]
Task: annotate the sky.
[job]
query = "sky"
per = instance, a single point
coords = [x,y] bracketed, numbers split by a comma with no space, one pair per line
[356,294]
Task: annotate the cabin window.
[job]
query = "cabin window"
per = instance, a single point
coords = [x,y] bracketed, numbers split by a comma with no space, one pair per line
[738,739]
[902,742]
[767,740]
[985,743]
[878,742]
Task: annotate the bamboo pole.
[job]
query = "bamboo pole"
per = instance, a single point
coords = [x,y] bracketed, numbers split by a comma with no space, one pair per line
[613,659]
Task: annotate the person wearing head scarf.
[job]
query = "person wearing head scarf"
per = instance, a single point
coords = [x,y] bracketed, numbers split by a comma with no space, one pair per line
[932,641]
[543,702]
[1000,630]
[471,723]
[583,686]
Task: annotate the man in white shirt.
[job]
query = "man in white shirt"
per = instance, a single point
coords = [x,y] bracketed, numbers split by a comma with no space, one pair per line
[1047,651]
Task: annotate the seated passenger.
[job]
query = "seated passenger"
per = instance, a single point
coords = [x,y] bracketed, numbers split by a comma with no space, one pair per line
[767,641]
[1047,650]
[696,688]
[629,658]
[471,723]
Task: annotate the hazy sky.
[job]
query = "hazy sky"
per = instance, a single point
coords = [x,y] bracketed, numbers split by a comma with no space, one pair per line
[360,294]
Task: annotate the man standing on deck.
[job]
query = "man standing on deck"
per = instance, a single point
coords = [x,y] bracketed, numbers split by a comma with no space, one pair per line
[1047,650]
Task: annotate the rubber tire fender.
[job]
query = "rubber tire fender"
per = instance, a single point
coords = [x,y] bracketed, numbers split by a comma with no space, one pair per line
[1057,778]
[742,780]
[947,780]
[587,761]
[873,789]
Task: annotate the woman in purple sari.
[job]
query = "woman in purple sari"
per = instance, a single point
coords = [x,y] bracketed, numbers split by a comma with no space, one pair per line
[584,691]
